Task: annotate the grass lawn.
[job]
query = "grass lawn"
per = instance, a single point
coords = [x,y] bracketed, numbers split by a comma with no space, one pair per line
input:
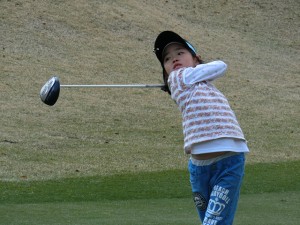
[270,195]
[269,209]
[259,209]
[155,211]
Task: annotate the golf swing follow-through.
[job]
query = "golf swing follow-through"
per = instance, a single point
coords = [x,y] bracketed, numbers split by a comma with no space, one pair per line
[212,135]
[50,91]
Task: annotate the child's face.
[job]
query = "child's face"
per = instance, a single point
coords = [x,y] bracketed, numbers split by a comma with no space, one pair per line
[177,56]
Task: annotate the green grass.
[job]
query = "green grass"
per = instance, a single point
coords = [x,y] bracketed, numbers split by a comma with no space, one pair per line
[117,187]
[147,198]
[272,177]
[276,208]
[123,212]
[259,209]
[260,178]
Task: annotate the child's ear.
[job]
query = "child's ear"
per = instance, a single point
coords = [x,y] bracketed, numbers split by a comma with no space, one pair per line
[199,59]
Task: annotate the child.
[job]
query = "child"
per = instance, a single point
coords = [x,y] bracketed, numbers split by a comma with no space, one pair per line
[212,135]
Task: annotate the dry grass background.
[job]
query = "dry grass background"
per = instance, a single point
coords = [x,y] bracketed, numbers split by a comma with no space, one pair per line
[106,131]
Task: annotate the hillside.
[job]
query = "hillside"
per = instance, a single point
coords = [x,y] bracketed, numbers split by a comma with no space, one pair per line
[107,131]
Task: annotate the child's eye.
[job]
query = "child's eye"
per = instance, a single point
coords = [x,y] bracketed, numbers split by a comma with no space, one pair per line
[166,59]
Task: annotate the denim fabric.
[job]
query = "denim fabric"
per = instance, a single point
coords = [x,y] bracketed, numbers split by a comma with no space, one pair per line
[216,189]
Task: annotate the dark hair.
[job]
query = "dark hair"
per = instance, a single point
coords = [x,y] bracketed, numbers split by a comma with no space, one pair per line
[165,79]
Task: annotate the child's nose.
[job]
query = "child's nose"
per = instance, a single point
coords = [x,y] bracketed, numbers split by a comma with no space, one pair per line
[175,59]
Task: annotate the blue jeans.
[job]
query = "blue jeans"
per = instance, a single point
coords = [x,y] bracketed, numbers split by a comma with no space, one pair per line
[216,189]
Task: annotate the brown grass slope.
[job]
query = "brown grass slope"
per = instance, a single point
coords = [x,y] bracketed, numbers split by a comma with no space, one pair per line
[106,131]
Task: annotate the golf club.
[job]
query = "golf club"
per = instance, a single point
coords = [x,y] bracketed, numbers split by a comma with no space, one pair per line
[50,91]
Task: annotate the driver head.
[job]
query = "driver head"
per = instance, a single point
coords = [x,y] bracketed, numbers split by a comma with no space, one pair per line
[50,91]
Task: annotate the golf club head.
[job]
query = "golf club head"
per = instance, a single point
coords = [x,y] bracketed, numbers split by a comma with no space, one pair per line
[50,91]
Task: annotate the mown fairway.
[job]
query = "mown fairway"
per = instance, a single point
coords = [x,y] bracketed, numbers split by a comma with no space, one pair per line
[148,198]
[101,135]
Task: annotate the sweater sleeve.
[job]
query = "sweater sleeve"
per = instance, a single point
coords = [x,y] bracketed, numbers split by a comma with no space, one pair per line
[204,72]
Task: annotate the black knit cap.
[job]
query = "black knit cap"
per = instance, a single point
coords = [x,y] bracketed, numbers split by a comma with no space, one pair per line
[167,37]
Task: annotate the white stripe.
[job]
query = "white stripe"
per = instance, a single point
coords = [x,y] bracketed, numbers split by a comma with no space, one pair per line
[188,125]
[209,99]
[209,106]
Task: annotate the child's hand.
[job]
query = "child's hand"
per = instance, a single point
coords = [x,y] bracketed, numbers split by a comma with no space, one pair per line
[166,89]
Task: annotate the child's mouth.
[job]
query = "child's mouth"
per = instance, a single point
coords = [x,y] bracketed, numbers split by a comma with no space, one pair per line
[176,66]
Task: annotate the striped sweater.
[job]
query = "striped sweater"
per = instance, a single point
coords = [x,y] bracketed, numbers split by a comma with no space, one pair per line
[206,114]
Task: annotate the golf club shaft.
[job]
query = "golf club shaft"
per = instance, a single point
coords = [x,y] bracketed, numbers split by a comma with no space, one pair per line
[114,85]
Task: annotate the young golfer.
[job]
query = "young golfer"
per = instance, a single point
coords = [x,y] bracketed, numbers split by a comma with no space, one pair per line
[212,135]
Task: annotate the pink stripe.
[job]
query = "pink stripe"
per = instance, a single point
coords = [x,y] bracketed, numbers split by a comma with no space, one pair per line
[208,114]
[207,107]
[210,129]
[210,121]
